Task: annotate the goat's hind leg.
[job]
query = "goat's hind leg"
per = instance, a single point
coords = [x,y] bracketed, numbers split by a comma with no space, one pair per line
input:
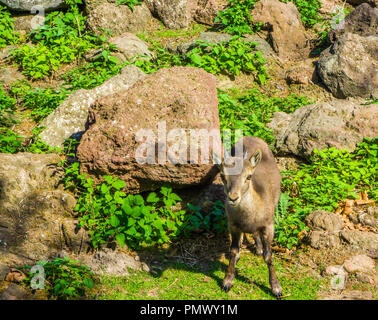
[267,239]
[236,239]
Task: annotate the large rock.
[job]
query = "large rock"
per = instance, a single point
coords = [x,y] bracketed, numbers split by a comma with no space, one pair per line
[324,220]
[207,11]
[68,120]
[363,240]
[106,15]
[285,29]
[130,46]
[323,239]
[325,227]
[35,212]
[177,14]
[28,5]
[181,98]
[362,21]
[359,263]
[339,123]
[373,3]
[349,66]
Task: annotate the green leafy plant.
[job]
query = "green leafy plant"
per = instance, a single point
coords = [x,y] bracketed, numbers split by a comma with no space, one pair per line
[288,225]
[229,57]
[162,59]
[34,144]
[43,101]
[215,221]
[93,73]
[10,142]
[7,34]
[62,39]
[109,214]
[252,110]
[332,176]
[309,11]
[64,278]
[236,18]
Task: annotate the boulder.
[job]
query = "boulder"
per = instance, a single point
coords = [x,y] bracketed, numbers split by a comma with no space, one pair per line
[373,3]
[363,240]
[68,120]
[286,32]
[359,263]
[323,239]
[369,218]
[130,46]
[35,212]
[349,66]
[207,11]
[122,129]
[324,228]
[362,21]
[338,123]
[177,14]
[324,220]
[28,5]
[106,15]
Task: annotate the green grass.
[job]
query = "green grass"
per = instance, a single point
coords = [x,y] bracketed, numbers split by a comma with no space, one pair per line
[178,281]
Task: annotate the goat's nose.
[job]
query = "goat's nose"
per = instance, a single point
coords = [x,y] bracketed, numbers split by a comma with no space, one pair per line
[233,197]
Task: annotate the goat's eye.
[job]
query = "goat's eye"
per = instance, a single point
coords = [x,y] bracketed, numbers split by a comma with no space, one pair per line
[249,177]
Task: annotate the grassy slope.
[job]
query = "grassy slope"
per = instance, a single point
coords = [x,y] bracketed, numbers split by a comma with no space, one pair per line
[179,281]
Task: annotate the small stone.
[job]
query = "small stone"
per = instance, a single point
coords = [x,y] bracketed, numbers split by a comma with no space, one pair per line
[333,270]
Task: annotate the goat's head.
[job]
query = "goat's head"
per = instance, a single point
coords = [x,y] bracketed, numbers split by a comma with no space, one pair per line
[237,182]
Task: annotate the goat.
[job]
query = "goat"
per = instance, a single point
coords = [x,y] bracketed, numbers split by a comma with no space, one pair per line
[251,198]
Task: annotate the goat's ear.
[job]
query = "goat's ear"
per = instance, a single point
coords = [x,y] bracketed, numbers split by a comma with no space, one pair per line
[216,159]
[256,158]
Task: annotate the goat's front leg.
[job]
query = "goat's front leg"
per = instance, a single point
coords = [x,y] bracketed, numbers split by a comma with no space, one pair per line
[267,235]
[259,246]
[236,239]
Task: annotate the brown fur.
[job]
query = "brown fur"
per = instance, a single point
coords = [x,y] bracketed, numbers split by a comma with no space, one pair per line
[251,199]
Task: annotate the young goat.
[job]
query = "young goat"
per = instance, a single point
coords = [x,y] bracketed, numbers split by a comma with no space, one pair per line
[252,195]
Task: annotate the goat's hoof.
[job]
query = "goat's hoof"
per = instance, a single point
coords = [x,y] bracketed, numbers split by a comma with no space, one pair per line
[277,293]
[227,285]
[259,253]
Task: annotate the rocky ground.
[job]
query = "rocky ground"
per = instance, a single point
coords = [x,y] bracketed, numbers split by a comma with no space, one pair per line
[37,218]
